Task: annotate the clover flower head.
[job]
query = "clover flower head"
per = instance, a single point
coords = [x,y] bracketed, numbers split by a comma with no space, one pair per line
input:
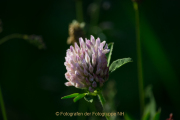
[87,64]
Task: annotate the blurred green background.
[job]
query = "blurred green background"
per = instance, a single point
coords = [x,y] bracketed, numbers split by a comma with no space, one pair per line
[32,80]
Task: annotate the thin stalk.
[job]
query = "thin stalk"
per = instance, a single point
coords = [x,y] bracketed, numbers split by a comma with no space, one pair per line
[2,106]
[139,59]
[79,11]
[4,39]
[83,106]
[102,101]
[95,14]
[92,108]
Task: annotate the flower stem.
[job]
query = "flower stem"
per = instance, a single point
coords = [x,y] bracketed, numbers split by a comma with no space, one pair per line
[95,14]
[6,38]
[139,59]
[2,106]
[102,100]
[79,10]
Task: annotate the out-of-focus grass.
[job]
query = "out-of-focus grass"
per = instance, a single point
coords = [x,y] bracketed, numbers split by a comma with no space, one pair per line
[139,58]
[79,11]
[157,55]
[2,105]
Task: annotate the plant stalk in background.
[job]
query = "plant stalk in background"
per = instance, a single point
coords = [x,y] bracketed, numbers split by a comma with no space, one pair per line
[139,58]
[102,100]
[6,38]
[2,106]
[79,13]
[33,39]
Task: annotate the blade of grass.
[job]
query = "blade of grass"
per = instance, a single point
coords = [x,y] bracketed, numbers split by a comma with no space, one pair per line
[2,106]
[79,11]
[157,54]
[139,59]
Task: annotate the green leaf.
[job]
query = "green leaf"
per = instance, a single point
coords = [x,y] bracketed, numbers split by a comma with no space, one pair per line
[79,97]
[88,98]
[157,115]
[70,96]
[110,53]
[118,63]
[127,117]
[146,116]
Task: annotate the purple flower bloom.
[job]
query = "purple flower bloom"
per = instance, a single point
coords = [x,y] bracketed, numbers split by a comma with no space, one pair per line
[87,64]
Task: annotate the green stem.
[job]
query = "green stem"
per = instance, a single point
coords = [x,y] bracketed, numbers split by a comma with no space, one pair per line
[139,59]
[6,38]
[79,10]
[92,108]
[2,106]
[95,14]
[83,106]
[102,100]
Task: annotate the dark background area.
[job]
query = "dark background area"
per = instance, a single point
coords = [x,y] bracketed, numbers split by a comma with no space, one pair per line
[32,80]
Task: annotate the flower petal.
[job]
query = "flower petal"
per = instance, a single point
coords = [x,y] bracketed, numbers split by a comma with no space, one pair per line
[68,84]
[92,40]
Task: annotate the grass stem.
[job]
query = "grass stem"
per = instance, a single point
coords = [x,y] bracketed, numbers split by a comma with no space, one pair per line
[139,59]
[2,106]
[79,11]
[102,101]
[6,38]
